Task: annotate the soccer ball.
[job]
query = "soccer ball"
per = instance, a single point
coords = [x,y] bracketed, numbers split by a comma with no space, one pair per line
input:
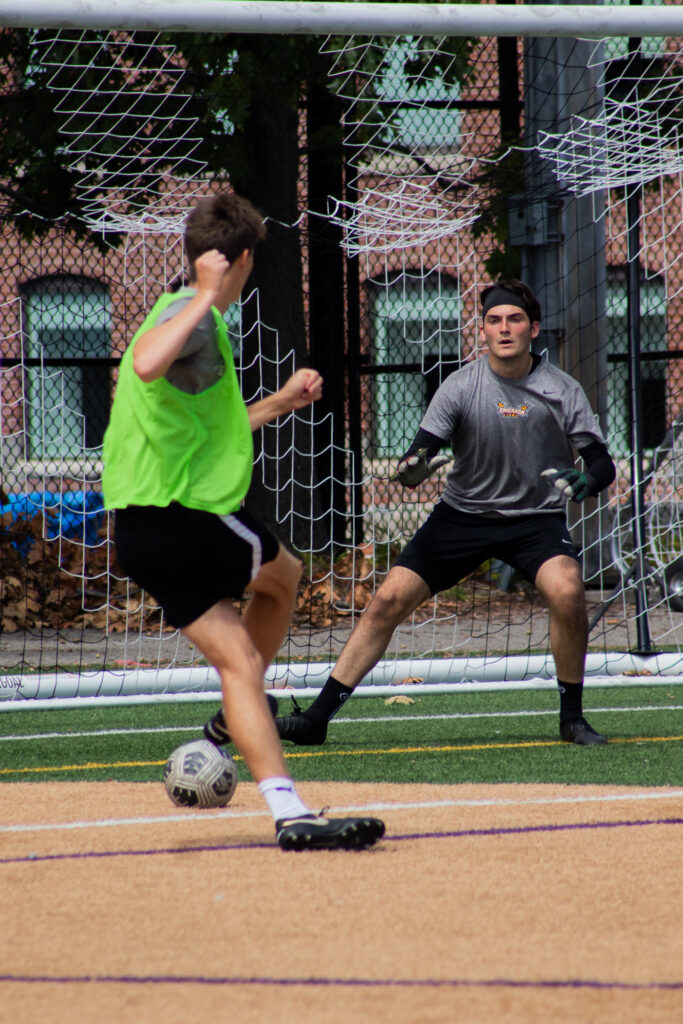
[198,774]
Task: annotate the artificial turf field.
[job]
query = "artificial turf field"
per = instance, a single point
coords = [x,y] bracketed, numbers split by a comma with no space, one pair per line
[485,737]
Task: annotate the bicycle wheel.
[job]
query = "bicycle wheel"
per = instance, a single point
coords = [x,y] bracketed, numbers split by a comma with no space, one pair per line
[664,521]
[665,544]
[673,578]
[621,540]
[621,545]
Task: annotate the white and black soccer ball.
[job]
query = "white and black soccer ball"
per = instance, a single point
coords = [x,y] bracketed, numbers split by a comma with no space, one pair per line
[198,774]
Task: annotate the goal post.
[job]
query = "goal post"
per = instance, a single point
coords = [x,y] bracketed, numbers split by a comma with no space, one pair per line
[594,21]
[473,137]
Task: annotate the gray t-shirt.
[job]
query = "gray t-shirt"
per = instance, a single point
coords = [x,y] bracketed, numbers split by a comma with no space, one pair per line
[200,363]
[504,433]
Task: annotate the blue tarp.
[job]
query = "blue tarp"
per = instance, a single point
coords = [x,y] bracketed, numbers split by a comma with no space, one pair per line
[75,514]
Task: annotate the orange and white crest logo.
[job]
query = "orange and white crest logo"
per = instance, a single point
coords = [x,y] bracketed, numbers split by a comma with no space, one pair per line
[510,412]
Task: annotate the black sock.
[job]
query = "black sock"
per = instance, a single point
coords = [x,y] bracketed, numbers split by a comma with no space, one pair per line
[571,695]
[328,702]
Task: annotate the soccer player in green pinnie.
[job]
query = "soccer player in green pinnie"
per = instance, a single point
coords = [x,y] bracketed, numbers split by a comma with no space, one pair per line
[178,459]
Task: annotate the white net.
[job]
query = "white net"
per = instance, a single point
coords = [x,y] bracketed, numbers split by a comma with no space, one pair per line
[428,173]
[632,140]
[414,176]
[128,130]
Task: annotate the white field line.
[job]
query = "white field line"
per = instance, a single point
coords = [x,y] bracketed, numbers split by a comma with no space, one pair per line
[177,819]
[335,721]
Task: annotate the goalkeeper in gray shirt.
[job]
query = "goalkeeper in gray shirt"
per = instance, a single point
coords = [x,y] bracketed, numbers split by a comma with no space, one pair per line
[514,422]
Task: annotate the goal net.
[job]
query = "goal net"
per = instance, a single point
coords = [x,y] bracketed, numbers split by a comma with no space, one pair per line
[451,160]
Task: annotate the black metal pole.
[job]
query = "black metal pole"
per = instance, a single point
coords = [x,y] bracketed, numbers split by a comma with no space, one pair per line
[355,410]
[353,365]
[326,309]
[633,208]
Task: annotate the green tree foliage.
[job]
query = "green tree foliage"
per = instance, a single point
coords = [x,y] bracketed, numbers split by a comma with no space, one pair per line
[65,113]
[36,186]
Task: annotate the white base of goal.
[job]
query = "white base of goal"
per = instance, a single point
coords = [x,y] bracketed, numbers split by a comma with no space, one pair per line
[448,675]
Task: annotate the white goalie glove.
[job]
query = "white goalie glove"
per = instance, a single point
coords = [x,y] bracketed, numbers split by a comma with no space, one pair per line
[411,472]
[570,483]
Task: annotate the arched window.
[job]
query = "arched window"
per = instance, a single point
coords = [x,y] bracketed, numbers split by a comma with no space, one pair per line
[67,350]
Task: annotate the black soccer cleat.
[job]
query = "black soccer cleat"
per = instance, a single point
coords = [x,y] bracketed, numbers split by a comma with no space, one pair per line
[577,730]
[300,729]
[215,730]
[313,832]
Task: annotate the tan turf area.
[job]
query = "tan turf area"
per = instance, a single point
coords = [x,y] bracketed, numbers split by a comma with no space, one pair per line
[495,903]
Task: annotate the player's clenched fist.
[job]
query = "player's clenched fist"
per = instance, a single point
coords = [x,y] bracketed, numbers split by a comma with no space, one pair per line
[303,387]
[210,269]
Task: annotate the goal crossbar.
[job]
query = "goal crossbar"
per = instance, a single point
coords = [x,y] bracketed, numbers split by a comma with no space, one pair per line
[344,18]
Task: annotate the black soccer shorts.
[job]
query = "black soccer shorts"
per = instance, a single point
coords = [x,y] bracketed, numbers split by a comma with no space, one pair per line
[190,560]
[452,544]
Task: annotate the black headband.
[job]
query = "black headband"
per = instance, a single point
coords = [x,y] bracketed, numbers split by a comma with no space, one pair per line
[502,297]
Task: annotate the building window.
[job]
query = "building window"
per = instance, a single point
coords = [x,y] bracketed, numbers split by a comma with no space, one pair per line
[653,371]
[617,48]
[67,349]
[415,345]
[425,119]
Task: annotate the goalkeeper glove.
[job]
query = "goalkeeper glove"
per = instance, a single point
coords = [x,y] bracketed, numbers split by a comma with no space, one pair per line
[414,469]
[570,483]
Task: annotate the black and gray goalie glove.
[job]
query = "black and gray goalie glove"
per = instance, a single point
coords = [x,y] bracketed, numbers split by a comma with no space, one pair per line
[570,483]
[417,467]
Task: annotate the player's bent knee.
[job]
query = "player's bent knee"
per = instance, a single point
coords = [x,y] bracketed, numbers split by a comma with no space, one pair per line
[569,607]
[567,594]
[400,594]
[388,607]
[561,585]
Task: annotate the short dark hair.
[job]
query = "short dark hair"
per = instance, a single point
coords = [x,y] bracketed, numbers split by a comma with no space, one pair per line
[226,222]
[529,303]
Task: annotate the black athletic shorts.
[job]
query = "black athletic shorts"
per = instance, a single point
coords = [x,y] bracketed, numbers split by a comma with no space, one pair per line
[452,544]
[189,560]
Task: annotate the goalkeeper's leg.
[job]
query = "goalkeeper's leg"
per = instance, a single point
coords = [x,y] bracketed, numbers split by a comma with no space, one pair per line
[400,594]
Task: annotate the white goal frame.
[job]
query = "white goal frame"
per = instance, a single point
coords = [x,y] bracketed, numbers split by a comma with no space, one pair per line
[585,21]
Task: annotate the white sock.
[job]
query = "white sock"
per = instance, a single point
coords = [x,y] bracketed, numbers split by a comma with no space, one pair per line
[282,798]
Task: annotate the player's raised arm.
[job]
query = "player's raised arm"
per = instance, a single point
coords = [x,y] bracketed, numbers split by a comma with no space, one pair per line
[303,388]
[158,348]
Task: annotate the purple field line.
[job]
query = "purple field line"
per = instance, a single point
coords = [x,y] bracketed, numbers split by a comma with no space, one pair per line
[460,834]
[162,979]
[524,829]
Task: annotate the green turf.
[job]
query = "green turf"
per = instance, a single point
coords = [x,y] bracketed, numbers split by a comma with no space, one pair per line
[645,748]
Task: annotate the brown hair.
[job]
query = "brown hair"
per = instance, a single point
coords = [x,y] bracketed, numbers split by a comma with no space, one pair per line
[529,303]
[226,222]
